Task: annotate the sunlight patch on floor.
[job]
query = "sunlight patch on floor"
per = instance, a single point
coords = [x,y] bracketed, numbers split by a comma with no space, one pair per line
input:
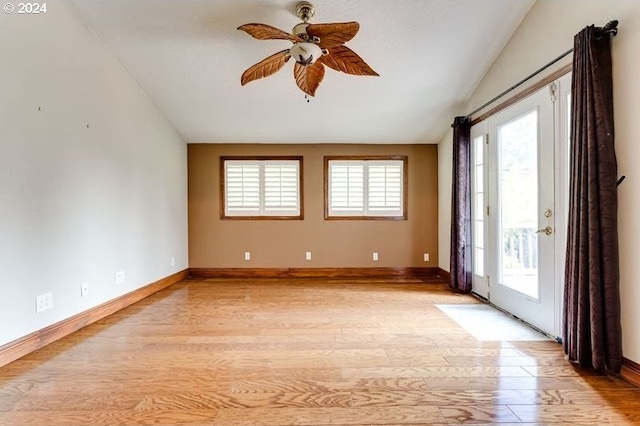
[486,323]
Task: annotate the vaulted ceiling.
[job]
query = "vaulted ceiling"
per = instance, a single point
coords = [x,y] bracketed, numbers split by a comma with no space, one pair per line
[188,56]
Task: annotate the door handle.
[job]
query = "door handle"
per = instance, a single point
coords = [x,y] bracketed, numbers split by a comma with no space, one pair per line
[548,230]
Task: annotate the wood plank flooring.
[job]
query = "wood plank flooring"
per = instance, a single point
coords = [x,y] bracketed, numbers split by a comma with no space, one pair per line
[302,352]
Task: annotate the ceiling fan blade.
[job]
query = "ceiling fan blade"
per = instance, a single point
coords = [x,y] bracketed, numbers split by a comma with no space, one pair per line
[332,35]
[343,59]
[266,67]
[309,77]
[267,32]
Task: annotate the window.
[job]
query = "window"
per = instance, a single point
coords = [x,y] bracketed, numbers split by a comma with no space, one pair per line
[366,187]
[261,187]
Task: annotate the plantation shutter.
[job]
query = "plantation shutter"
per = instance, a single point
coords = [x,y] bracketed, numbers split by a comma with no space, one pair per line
[262,187]
[242,186]
[281,189]
[365,188]
[346,188]
[385,188]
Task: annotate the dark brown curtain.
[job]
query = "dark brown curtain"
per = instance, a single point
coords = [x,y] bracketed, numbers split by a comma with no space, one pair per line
[592,331]
[460,265]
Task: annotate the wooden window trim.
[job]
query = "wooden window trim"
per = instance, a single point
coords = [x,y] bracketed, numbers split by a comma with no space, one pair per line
[405,184]
[222,191]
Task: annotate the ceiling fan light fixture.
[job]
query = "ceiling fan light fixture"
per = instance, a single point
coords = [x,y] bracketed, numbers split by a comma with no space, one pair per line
[305,53]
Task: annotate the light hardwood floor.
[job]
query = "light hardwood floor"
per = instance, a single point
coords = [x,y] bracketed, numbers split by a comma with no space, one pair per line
[302,352]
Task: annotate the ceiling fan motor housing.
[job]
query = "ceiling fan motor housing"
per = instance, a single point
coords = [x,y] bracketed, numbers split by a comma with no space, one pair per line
[300,30]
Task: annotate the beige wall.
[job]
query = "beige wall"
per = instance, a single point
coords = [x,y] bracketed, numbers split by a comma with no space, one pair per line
[216,243]
[547,31]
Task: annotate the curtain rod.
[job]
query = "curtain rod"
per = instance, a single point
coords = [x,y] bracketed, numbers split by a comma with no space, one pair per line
[611,28]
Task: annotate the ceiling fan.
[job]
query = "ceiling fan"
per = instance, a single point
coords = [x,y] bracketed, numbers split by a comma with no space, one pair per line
[314,46]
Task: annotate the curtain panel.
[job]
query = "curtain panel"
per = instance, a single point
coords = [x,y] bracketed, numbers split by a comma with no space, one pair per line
[460,264]
[591,329]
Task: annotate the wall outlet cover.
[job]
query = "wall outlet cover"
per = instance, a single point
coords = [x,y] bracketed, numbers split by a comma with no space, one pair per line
[44,302]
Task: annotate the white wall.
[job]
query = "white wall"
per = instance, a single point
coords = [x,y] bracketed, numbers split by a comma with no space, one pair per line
[92,176]
[547,31]
[445,160]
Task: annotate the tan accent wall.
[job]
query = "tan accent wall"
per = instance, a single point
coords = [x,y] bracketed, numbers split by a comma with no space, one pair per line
[216,243]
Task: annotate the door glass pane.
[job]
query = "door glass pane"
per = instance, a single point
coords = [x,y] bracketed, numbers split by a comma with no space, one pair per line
[479,265]
[478,149]
[478,208]
[479,176]
[518,203]
[478,235]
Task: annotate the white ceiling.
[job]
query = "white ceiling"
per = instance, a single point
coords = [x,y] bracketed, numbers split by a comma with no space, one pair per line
[188,56]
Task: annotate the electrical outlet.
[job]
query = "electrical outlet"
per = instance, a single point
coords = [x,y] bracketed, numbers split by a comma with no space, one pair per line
[426,257]
[44,302]
[307,255]
[120,277]
[40,303]
[84,289]
[375,256]
[173,261]
[247,255]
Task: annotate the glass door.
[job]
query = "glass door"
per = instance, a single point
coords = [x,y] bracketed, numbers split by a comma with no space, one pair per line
[479,200]
[521,210]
